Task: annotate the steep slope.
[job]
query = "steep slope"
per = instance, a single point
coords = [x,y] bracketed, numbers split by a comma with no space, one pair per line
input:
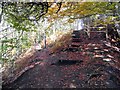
[86,63]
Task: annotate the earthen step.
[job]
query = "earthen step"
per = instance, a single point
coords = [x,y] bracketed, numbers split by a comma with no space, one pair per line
[75,36]
[77,31]
[94,49]
[68,62]
[101,53]
[75,44]
[76,40]
[72,49]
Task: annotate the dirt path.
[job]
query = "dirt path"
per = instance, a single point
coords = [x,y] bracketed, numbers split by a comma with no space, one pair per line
[86,63]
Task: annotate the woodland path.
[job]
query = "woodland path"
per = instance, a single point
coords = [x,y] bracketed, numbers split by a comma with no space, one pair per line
[86,63]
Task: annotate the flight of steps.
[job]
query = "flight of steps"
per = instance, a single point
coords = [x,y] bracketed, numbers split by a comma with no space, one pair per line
[99,53]
[74,51]
[80,44]
[78,39]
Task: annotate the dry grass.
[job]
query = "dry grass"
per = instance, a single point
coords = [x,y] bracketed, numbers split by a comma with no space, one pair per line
[24,59]
[61,43]
[11,71]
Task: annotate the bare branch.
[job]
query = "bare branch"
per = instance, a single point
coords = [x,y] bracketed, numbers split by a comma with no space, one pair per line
[59,6]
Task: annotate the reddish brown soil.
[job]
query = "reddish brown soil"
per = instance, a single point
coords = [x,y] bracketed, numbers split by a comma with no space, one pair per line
[81,65]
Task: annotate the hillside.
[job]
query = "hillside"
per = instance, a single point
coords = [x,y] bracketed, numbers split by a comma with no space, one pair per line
[86,62]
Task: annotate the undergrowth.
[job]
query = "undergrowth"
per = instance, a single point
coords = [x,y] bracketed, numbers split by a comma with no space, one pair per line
[61,43]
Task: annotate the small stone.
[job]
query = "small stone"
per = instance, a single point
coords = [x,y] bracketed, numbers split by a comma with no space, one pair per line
[107,83]
[107,59]
[99,51]
[96,48]
[96,84]
[110,56]
[105,50]
[73,80]
[38,47]
[98,56]
[72,86]
[46,85]
[86,48]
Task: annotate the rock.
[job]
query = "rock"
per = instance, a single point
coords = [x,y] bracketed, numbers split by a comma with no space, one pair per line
[72,85]
[96,48]
[110,56]
[98,56]
[107,59]
[106,50]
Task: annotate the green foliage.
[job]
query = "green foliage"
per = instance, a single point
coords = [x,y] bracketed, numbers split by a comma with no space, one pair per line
[8,40]
[18,14]
[21,25]
[82,9]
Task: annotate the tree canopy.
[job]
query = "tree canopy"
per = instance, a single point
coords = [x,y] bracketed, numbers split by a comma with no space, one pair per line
[21,15]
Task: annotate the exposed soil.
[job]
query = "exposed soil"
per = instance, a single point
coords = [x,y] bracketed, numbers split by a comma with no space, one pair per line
[86,63]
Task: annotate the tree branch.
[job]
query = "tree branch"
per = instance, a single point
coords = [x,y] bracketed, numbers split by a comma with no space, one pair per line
[59,6]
